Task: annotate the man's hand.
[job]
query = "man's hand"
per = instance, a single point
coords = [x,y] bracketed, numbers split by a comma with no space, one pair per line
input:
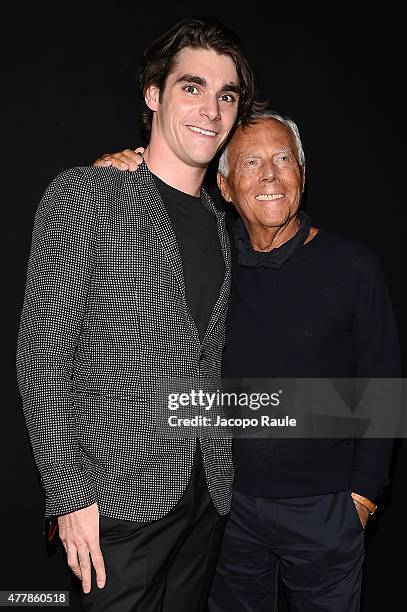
[124,160]
[79,533]
[363,513]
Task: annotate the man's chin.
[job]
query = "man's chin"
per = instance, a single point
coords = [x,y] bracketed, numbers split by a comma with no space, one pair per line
[202,162]
[274,223]
[202,158]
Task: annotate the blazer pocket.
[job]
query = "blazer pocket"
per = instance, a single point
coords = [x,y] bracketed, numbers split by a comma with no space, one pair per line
[114,366]
[114,431]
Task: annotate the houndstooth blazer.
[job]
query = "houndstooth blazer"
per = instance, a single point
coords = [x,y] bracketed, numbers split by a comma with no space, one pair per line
[104,315]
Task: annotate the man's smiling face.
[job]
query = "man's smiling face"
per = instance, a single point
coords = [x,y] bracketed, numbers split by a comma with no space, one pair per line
[265,179]
[198,107]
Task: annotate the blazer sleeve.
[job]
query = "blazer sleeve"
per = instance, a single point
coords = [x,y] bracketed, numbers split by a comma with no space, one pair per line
[58,279]
[377,356]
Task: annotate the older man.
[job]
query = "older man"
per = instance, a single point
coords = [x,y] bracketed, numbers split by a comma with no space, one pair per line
[304,303]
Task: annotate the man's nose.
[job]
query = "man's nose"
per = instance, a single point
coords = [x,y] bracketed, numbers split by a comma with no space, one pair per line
[210,109]
[268,171]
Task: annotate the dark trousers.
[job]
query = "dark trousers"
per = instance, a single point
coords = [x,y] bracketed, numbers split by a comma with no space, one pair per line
[166,565]
[314,545]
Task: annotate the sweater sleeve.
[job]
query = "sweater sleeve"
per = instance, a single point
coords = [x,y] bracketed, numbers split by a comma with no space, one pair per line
[377,356]
[58,278]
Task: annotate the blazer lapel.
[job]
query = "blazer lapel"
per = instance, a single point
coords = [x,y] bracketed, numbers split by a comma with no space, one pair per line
[152,201]
[223,297]
[161,223]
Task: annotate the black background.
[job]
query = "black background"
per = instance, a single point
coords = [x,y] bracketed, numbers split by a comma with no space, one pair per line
[69,94]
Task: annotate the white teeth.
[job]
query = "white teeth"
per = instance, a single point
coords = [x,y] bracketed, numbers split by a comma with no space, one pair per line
[269,197]
[200,131]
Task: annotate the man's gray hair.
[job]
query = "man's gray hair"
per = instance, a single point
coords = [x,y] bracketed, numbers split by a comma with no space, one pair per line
[223,166]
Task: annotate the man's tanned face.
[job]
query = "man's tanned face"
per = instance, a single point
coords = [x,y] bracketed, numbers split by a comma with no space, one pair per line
[265,179]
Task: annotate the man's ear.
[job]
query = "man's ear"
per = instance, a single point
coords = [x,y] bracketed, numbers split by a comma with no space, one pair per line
[152,97]
[223,187]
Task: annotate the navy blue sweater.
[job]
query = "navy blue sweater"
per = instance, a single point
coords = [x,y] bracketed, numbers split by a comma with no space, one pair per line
[325,313]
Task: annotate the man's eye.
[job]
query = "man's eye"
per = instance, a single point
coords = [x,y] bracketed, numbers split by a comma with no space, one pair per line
[285,161]
[227,98]
[191,89]
[251,162]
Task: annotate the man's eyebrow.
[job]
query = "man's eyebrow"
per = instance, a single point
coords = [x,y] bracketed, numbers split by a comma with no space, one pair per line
[254,153]
[246,154]
[230,87]
[193,78]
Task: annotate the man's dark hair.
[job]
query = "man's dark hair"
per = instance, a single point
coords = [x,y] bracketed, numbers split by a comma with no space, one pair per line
[159,58]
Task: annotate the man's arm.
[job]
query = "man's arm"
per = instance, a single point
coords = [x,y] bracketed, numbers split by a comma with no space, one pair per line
[58,279]
[58,276]
[377,356]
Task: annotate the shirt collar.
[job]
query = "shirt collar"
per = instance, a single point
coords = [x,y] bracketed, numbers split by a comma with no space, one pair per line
[275,258]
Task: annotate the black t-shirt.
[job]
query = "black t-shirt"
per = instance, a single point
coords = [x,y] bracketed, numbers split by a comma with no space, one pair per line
[195,228]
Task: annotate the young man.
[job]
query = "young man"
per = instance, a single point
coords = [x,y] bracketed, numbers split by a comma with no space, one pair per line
[128,281]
